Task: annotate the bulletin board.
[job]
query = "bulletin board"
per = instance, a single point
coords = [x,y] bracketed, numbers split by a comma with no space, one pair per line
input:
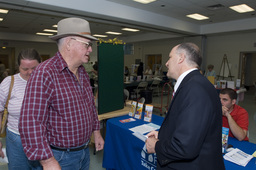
[110,77]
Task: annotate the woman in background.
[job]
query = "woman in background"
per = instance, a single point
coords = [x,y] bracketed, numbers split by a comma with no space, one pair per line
[28,59]
[140,70]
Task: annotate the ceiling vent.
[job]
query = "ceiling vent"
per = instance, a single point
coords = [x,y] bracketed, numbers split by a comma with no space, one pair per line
[215,7]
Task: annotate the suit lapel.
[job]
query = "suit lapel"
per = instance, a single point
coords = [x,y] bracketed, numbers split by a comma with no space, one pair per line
[184,81]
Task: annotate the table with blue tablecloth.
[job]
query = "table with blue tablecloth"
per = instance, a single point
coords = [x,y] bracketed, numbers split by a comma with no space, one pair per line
[124,151]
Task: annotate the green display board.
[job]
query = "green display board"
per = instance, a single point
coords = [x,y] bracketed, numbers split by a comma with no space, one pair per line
[110,77]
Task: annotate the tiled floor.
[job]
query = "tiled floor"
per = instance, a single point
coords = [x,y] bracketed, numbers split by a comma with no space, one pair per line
[249,104]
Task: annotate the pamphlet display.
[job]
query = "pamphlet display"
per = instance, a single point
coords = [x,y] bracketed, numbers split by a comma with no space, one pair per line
[225,132]
[148,113]
[139,111]
[133,108]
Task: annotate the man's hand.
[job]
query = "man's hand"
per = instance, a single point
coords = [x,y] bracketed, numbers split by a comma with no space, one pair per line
[99,142]
[50,164]
[225,111]
[151,141]
[153,134]
[1,152]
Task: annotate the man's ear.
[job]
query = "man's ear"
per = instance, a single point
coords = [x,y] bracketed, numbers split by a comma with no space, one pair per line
[68,44]
[233,101]
[181,57]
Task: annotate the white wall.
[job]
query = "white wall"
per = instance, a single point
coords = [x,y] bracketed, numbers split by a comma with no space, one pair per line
[42,48]
[231,45]
[215,48]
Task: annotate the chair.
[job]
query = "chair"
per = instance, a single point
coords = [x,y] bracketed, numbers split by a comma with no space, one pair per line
[155,87]
[141,86]
[127,94]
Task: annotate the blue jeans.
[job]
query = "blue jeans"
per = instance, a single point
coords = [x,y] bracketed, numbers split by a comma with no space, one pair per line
[77,160]
[16,156]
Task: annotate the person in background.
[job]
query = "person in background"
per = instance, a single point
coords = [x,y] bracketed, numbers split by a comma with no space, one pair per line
[95,67]
[148,71]
[210,71]
[190,135]
[3,72]
[58,114]
[28,59]
[234,117]
[140,70]
[91,72]
[126,71]
[157,71]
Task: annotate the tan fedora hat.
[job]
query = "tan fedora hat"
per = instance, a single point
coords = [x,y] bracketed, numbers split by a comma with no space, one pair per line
[73,27]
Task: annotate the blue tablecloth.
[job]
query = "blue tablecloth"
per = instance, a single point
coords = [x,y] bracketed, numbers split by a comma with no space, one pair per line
[124,151]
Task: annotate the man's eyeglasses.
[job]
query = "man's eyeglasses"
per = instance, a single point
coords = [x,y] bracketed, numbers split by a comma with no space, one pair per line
[87,44]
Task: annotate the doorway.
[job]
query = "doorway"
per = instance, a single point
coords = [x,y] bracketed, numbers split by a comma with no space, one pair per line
[154,61]
[247,69]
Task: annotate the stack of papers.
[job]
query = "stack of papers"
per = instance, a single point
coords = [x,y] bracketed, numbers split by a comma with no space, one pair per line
[238,157]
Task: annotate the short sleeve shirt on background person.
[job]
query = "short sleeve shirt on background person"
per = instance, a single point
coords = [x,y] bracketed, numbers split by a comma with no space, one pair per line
[240,116]
[57,109]
[15,101]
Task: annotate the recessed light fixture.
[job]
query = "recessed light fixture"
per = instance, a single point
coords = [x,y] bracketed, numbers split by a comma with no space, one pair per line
[144,1]
[1,19]
[98,35]
[3,47]
[55,26]
[197,16]
[114,33]
[41,33]
[49,30]
[4,11]
[130,29]
[241,8]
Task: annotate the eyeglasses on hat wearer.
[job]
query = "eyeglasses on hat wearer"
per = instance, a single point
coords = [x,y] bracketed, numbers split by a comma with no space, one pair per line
[87,44]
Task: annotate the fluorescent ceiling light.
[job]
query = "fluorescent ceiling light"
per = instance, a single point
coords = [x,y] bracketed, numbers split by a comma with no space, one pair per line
[241,8]
[144,1]
[98,35]
[130,29]
[55,26]
[41,33]
[49,30]
[4,11]
[197,16]
[1,19]
[114,33]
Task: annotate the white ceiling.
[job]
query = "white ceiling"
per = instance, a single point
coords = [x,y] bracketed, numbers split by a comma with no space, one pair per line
[160,19]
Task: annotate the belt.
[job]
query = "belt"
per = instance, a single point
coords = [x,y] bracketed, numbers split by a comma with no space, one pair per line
[70,149]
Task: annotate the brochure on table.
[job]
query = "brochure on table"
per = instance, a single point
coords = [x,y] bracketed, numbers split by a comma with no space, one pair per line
[238,157]
[138,113]
[148,113]
[225,132]
[133,108]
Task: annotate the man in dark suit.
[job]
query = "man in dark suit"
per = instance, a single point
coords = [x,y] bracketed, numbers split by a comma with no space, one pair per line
[190,136]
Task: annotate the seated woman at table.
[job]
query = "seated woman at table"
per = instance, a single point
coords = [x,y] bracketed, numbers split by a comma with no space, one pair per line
[234,117]
[148,71]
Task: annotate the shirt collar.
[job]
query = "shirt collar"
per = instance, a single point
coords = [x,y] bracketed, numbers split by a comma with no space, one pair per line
[181,77]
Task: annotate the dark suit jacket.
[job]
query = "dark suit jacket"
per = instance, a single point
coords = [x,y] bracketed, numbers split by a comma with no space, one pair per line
[190,136]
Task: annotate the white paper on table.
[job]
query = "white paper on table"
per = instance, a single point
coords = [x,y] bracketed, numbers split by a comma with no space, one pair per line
[154,125]
[5,160]
[238,157]
[143,128]
[140,136]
